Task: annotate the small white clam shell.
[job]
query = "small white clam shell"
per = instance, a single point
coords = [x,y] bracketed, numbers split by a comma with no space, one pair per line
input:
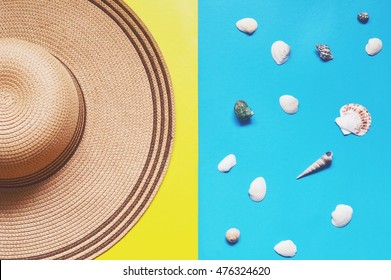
[247,25]
[348,123]
[232,235]
[280,52]
[286,248]
[257,189]
[227,163]
[342,215]
[374,46]
[289,104]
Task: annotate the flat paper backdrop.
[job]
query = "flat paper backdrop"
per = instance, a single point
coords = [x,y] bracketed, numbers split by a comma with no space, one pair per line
[278,146]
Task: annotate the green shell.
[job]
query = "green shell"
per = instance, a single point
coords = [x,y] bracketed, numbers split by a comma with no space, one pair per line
[242,111]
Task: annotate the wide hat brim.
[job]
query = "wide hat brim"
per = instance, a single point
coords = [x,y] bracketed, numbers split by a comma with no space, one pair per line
[108,183]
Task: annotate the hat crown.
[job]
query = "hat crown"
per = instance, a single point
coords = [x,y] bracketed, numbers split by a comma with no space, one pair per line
[41,113]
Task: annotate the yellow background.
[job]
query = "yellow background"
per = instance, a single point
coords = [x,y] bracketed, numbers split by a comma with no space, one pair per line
[168,229]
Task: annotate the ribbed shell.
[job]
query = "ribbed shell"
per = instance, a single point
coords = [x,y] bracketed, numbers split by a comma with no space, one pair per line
[363,114]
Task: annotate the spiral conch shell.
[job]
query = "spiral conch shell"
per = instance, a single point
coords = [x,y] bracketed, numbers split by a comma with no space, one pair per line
[280,52]
[374,46]
[322,162]
[363,17]
[324,52]
[243,111]
[355,119]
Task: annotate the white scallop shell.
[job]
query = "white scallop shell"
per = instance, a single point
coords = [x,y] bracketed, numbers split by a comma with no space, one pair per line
[232,235]
[247,25]
[354,118]
[289,104]
[280,52]
[342,215]
[257,189]
[286,248]
[348,123]
[374,46]
[227,163]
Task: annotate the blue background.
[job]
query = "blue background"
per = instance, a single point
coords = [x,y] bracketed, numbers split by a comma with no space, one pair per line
[278,146]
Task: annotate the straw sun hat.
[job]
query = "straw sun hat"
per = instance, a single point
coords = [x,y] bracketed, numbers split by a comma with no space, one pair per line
[86,126]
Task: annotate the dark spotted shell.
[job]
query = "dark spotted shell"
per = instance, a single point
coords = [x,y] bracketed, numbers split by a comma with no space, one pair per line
[324,52]
[242,111]
[363,17]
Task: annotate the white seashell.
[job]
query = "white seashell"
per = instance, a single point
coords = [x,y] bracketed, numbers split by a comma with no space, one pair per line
[355,119]
[342,215]
[322,162]
[232,235]
[257,189]
[374,46]
[286,248]
[227,163]
[280,52]
[348,123]
[289,104]
[247,25]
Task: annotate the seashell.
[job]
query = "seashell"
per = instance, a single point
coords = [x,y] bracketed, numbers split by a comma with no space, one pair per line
[232,235]
[247,25]
[286,248]
[289,104]
[242,111]
[374,46]
[324,52]
[227,163]
[280,52]
[342,215]
[321,163]
[363,17]
[354,118]
[257,189]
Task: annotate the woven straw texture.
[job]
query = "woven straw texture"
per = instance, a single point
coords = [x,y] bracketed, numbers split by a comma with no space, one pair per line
[86,126]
